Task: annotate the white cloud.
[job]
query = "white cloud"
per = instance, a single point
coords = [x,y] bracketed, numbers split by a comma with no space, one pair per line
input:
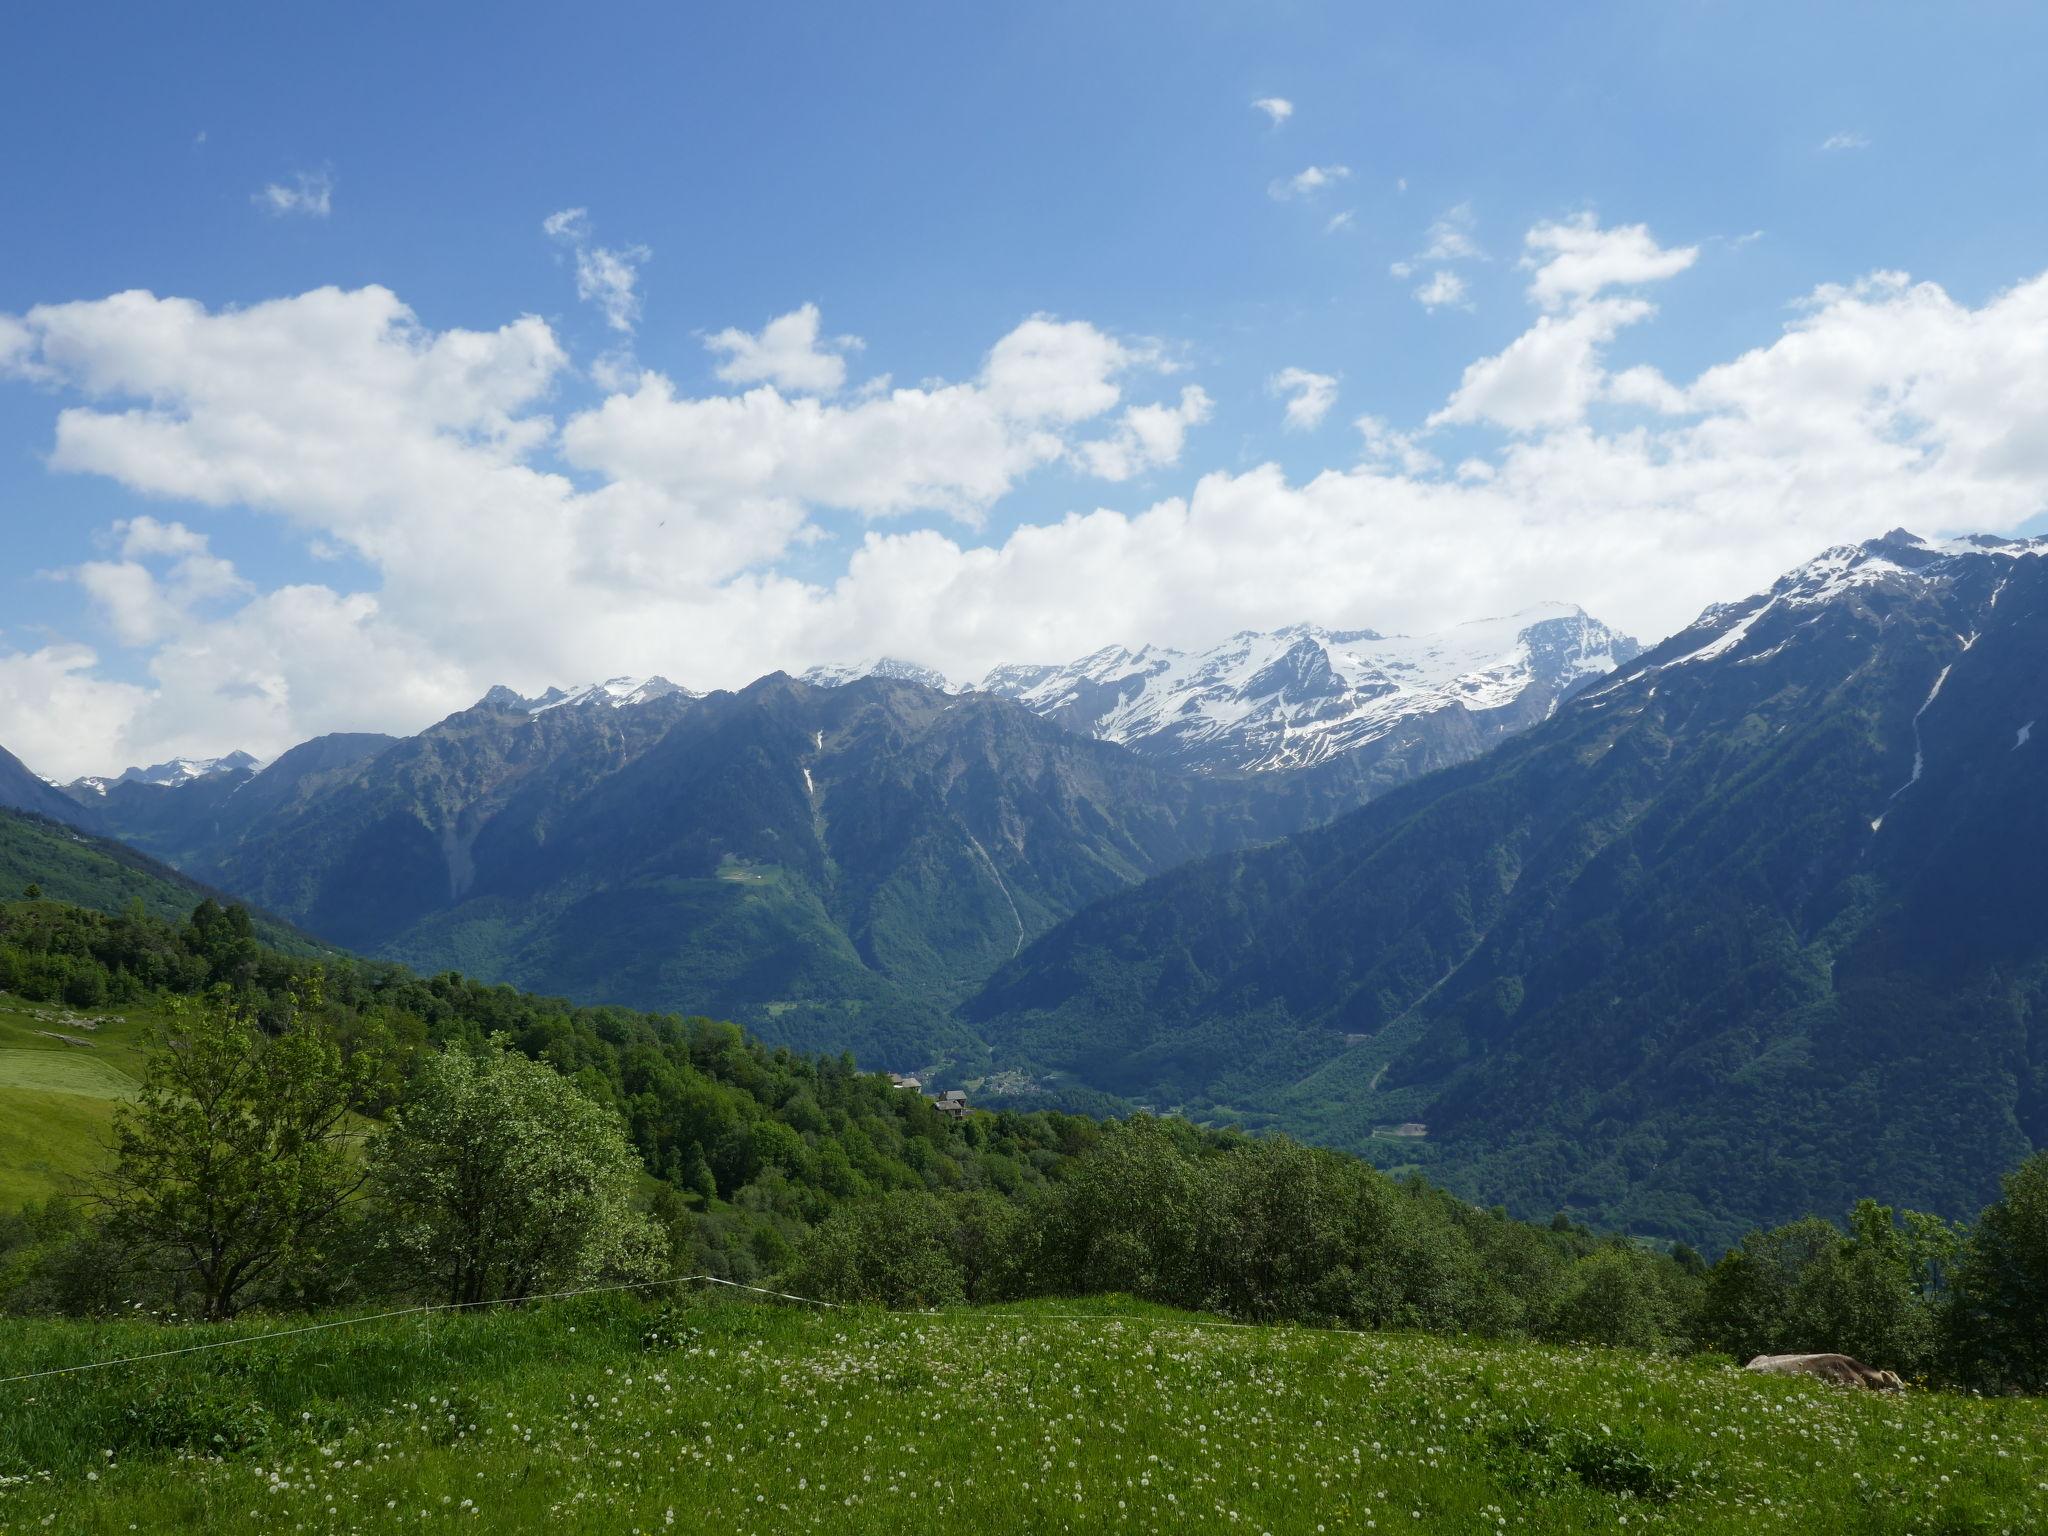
[59,717]
[310,195]
[605,276]
[1308,182]
[1277,108]
[1839,141]
[423,455]
[1309,396]
[785,354]
[1575,258]
[1339,221]
[1384,447]
[1443,289]
[138,604]
[1547,376]
[1147,437]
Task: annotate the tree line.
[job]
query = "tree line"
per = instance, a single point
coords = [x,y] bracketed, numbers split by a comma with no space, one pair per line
[313,1134]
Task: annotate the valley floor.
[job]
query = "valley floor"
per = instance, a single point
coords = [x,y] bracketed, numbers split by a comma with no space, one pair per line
[609,1415]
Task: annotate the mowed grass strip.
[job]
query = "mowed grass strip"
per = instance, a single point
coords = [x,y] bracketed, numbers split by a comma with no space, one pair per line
[602,1415]
[81,1075]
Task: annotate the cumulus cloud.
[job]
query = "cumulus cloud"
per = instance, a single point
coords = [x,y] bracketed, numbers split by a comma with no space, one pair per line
[428,457]
[1277,108]
[60,716]
[141,603]
[785,354]
[310,194]
[1146,437]
[605,276]
[1574,259]
[1309,397]
[1547,376]
[1308,182]
[1840,141]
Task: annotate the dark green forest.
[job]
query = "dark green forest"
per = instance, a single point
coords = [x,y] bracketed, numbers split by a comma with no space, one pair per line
[764,1165]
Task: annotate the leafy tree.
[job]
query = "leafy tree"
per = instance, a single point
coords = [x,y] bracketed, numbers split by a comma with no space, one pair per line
[238,1154]
[895,1251]
[225,940]
[32,892]
[1997,1322]
[1615,1297]
[502,1179]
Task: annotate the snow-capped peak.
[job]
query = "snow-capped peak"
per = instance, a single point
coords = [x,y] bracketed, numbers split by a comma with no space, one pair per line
[1289,698]
[1898,559]
[838,674]
[617,692]
[179,770]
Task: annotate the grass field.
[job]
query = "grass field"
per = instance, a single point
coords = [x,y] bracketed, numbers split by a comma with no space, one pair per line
[62,1071]
[607,1415]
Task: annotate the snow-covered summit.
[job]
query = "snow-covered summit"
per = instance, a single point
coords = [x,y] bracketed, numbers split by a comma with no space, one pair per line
[838,674]
[1900,560]
[1294,697]
[616,692]
[179,770]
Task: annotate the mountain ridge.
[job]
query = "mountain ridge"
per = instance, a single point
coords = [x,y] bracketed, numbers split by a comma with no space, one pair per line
[1662,920]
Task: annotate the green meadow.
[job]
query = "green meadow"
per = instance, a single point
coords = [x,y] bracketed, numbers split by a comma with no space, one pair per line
[62,1071]
[612,1414]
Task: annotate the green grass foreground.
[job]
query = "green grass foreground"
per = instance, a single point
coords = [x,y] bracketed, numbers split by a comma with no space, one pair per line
[610,1415]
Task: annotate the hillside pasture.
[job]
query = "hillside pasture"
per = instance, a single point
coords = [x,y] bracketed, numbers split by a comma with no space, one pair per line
[608,1414]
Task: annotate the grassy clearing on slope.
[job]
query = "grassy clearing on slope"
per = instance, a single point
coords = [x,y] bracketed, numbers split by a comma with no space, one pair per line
[607,1415]
[57,1097]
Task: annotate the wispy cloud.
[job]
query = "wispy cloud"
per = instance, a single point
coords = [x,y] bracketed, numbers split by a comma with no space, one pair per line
[310,195]
[606,277]
[1450,238]
[1844,140]
[1309,397]
[1339,221]
[1278,108]
[1307,183]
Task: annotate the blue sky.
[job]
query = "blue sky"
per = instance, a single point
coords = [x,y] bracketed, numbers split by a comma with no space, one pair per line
[931,177]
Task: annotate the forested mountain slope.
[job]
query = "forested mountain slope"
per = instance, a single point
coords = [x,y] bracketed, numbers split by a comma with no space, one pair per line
[1754,924]
[833,866]
[66,864]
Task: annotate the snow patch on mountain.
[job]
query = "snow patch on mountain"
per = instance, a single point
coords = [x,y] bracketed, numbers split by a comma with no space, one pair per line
[616,692]
[839,673]
[179,770]
[1294,697]
[1899,559]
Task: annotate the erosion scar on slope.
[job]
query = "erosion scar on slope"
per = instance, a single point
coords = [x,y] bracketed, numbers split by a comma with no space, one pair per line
[997,875]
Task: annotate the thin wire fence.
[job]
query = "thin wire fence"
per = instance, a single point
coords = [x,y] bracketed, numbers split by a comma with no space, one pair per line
[991,1320]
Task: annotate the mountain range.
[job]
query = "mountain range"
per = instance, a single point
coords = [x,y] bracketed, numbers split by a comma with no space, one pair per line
[1750,926]
[836,862]
[1679,941]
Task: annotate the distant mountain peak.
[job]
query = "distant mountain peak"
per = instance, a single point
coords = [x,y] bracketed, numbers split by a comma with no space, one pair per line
[617,692]
[1748,629]
[838,674]
[178,770]
[1301,695]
